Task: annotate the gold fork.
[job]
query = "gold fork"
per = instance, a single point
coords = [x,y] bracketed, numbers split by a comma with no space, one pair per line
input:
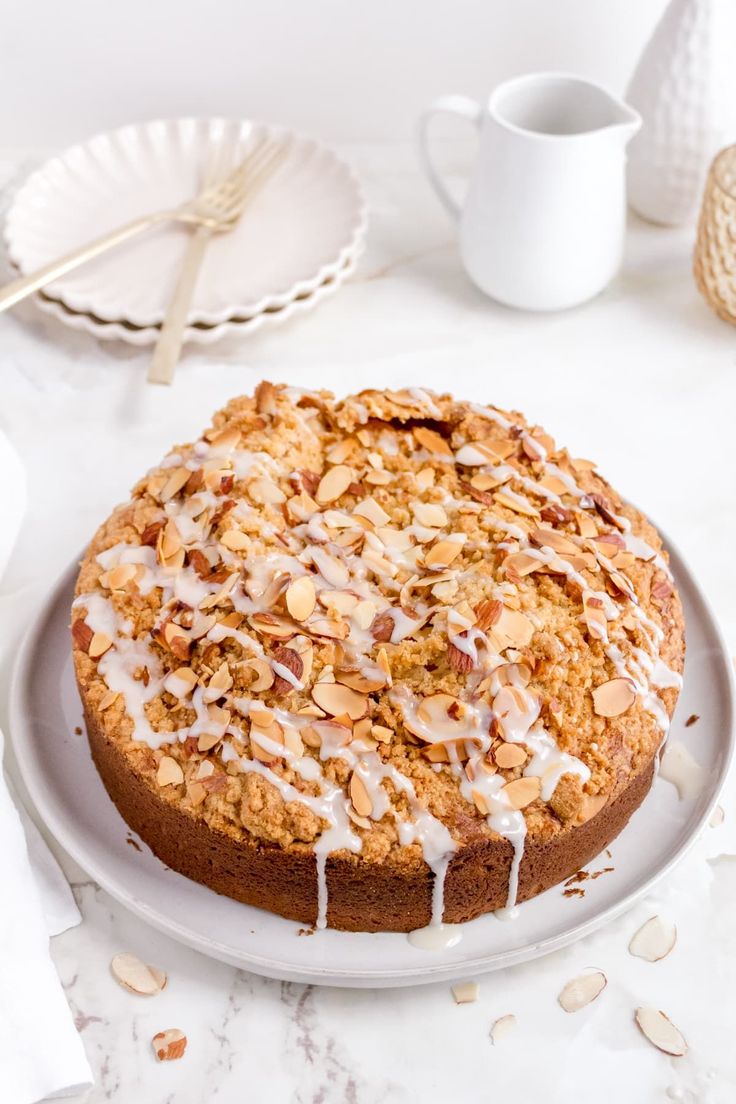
[217,207]
[244,182]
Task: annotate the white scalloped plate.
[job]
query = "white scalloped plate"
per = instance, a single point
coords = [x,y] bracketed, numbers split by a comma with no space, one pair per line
[199,334]
[58,771]
[296,233]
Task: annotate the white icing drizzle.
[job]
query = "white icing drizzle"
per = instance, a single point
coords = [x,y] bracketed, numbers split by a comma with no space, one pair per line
[513,707]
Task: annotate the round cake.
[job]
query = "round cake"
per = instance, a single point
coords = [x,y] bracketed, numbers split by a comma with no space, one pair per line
[376,663]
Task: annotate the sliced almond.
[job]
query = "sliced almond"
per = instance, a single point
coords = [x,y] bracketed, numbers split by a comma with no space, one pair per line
[502,1027]
[372,512]
[517,503]
[340,452]
[219,684]
[169,772]
[108,699]
[335,571]
[443,553]
[430,514]
[336,699]
[552,538]
[334,483]
[358,680]
[660,1031]
[512,629]
[466,992]
[264,675]
[521,563]
[169,1045]
[522,791]
[301,598]
[119,577]
[235,540]
[99,644]
[432,441]
[654,940]
[135,976]
[614,697]
[509,755]
[359,796]
[269,624]
[178,479]
[582,990]
[224,440]
[382,734]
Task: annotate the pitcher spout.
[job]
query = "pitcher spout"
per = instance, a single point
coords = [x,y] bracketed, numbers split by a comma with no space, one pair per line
[625,121]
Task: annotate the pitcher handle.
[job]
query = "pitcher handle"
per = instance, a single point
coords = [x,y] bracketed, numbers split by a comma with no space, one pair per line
[450,105]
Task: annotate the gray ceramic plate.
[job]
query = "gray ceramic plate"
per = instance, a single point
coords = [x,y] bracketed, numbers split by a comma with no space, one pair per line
[61,778]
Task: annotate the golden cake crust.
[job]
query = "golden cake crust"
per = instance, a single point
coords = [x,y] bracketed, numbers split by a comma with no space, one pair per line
[504,582]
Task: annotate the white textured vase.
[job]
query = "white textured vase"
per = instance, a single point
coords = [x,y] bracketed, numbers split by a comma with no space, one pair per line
[684,87]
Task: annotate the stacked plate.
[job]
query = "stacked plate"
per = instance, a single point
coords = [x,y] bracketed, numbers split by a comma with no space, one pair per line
[298,240]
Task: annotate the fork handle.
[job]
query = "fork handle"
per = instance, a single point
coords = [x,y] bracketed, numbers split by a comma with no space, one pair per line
[13,292]
[168,347]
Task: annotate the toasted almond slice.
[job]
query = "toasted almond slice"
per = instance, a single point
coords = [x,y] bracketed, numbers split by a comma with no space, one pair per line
[169,1045]
[512,629]
[582,990]
[336,699]
[334,483]
[335,571]
[329,627]
[382,734]
[430,514]
[207,740]
[521,563]
[119,577]
[378,478]
[466,992]
[169,772]
[517,503]
[269,624]
[509,755]
[178,478]
[340,452]
[98,645]
[654,940]
[590,806]
[660,1031]
[224,440]
[359,796]
[358,680]
[522,791]
[205,770]
[502,1027]
[235,540]
[614,697]
[135,976]
[293,741]
[264,675]
[372,512]
[442,554]
[108,699]
[552,538]
[181,682]
[432,441]
[301,598]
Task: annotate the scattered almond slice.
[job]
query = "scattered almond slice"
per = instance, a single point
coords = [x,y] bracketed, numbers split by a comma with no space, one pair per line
[334,484]
[169,772]
[442,554]
[432,441]
[654,940]
[466,992]
[582,990]
[614,697]
[98,645]
[301,598]
[169,1045]
[502,1027]
[717,817]
[335,699]
[509,755]
[135,976]
[522,791]
[359,796]
[659,1029]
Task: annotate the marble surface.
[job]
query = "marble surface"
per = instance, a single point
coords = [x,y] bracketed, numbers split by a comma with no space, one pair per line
[644,380]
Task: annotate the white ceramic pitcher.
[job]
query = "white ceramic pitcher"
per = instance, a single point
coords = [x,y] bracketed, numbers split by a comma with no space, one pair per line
[543,223]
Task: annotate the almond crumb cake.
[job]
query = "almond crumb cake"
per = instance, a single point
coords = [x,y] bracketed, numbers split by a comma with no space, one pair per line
[376,663]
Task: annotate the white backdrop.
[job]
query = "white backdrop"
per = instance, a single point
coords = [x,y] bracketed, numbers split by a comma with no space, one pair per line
[348,70]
